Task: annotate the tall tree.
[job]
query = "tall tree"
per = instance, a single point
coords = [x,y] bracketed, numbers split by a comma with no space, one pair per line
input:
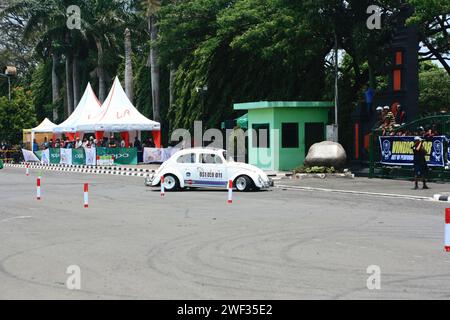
[152,9]
[128,65]
[433,21]
[55,85]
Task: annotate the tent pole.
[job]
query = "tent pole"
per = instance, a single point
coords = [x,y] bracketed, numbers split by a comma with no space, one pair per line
[32,140]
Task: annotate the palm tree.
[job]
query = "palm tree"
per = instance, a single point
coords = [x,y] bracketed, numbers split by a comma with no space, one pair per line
[128,65]
[100,24]
[152,8]
[45,20]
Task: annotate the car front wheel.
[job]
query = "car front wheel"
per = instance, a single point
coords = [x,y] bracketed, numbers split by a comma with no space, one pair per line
[171,182]
[243,183]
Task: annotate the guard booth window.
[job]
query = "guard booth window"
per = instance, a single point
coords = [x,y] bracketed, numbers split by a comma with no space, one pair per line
[260,135]
[314,133]
[289,135]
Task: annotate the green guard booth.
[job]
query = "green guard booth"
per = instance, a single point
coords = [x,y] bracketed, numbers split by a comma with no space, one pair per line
[281,133]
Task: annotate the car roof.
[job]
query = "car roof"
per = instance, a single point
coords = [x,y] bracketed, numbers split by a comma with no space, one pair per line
[199,150]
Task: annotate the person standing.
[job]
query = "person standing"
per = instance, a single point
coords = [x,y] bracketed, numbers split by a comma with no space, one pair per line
[45,144]
[78,143]
[369,93]
[137,144]
[112,142]
[400,117]
[420,163]
[35,145]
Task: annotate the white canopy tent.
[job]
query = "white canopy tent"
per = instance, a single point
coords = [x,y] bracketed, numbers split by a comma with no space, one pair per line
[117,114]
[46,126]
[88,105]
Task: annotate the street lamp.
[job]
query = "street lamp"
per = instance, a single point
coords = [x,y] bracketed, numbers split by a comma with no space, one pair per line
[9,72]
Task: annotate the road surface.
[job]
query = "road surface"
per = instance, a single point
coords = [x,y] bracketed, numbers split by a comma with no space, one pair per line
[280,244]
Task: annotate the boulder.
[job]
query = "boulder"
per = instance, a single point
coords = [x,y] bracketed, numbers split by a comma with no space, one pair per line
[327,154]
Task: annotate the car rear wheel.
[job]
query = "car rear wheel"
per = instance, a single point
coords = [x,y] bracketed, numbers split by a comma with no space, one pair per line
[243,183]
[171,182]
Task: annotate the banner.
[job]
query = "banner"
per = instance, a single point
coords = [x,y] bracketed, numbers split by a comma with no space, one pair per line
[152,155]
[90,155]
[38,154]
[155,155]
[29,156]
[398,151]
[45,156]
[78,156]
[66,156]
[55,156]
[121,155]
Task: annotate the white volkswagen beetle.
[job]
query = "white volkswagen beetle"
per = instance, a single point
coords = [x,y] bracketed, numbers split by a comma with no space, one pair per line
[203,167]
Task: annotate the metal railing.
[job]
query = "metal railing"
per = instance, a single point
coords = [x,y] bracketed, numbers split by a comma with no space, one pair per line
[439,123]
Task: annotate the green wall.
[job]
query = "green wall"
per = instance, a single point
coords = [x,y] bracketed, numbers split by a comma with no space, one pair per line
[275,114]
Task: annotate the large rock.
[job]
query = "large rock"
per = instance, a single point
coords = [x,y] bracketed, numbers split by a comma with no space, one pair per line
[326,154]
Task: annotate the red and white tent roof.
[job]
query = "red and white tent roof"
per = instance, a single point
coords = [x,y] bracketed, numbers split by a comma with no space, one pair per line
[88,104]
[117,114]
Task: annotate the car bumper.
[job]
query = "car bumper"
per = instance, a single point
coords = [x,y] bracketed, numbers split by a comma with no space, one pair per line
[267,184]
[149,180]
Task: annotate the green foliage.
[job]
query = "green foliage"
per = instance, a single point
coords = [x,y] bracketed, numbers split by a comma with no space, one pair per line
[16,115]
[434,91]
[41,92]
[242,50]
[315,169]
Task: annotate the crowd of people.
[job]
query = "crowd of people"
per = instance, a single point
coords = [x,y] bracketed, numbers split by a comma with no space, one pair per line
[390,119]
[391,123]
[92,142]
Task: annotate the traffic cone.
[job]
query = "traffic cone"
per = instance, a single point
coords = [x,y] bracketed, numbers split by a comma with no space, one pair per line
[162,186]
[27,172]
[230,191]
[447,229]
[86,195]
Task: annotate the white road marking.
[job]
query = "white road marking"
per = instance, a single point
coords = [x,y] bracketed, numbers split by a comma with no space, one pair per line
[15,218]
[387,195]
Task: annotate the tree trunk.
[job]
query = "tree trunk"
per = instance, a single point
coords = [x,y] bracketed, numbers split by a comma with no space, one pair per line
[55,86]
[128,66]
[154,68]
[69,85]
[76,80]
[171,85]
[100,71]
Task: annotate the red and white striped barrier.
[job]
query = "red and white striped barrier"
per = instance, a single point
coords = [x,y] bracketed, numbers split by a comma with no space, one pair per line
[230,191]
[27,172]
[86,195]
[38,188]
[447,229]
[162,186]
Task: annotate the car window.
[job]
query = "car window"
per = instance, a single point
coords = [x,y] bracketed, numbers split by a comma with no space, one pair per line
[207,158]
[186,158]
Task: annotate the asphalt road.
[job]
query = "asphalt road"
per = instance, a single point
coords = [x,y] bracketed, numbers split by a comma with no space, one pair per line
[281,244]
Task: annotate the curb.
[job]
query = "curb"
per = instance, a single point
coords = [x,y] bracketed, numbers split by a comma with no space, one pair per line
[439,197]
[324,175]
[376,194]
[133,172]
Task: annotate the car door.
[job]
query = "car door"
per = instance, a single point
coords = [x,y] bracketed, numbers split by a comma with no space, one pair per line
[211,171]
[187,165]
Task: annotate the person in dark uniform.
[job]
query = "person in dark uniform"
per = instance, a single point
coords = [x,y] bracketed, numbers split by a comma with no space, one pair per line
[420,163]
